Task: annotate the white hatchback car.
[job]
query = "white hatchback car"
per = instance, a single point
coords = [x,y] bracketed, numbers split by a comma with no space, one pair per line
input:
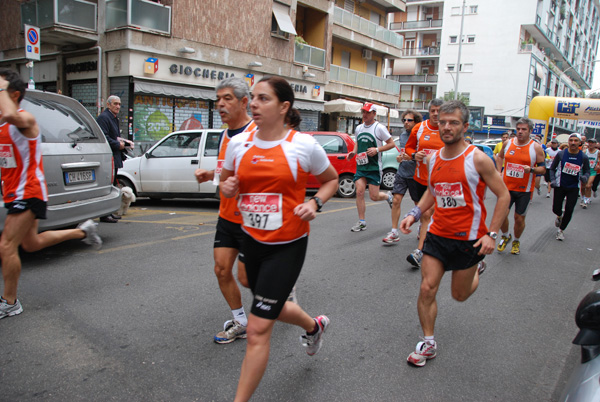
[77,161]
[166,170]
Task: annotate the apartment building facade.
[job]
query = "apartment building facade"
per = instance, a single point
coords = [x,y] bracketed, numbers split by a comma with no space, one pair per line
[511,51]
[165,58]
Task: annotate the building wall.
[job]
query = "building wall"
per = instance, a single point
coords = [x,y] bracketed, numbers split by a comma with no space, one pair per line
[499,77]
[356,61]
[245,30]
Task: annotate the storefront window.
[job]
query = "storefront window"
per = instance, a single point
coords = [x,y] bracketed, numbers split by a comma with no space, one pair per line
[156,116]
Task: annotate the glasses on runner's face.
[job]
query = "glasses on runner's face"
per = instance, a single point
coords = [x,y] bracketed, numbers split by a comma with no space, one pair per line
[405,120]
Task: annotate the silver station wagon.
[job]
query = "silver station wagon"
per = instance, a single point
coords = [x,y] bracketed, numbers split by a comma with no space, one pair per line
[77,161]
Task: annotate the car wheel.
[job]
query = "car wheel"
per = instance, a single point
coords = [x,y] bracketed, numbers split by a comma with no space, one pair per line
[387,180]
[123,182]
[346,188]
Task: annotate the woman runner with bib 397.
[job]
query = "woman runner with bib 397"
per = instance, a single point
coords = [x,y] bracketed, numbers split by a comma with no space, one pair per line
[267,171]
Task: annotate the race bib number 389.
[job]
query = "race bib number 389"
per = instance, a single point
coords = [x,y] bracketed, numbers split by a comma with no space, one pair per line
[261,210]
[449,195]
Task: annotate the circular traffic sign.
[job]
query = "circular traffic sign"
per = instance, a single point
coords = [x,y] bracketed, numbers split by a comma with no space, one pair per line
[32,36]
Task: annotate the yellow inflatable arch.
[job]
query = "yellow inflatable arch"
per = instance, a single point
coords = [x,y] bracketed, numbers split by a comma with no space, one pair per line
[542,108]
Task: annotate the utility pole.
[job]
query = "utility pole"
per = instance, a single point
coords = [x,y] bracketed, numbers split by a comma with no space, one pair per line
[460,40]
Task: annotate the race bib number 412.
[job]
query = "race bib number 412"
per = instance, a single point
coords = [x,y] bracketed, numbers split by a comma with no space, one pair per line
[261,210]
[449,195]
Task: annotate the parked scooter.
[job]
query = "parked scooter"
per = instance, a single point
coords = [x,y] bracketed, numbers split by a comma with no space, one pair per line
[584,384]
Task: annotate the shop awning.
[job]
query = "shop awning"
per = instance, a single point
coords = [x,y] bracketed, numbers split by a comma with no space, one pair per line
[352,109]
[312,106]
[173,90]
[282,15]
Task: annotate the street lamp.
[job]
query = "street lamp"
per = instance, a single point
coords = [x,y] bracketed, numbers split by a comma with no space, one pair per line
[453,81]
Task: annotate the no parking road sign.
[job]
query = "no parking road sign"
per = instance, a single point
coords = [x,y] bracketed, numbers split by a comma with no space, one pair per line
[32,42]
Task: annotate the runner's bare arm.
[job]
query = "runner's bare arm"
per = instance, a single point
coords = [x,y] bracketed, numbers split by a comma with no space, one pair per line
[329,185]
[229,183]
[203,175]
[500,157]
[23,120]
[491,177]
[425,203]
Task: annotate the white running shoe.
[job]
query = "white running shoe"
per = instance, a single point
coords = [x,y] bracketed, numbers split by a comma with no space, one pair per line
[90,229]
[391,238]
[8,310]
[390,199]
[560,235]
[423,352]
[313,343]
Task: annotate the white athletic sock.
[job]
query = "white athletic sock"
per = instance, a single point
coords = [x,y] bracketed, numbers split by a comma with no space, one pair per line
[394,231]
[517,239]
[240,316]
[430,340]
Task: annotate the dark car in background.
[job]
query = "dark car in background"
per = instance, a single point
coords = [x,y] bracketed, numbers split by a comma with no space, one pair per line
[78,162]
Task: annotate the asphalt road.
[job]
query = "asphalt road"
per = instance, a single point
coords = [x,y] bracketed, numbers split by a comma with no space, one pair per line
[135,320]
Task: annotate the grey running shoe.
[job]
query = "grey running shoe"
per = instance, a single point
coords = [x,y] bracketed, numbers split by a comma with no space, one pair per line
[423,352]
[560,235]
[558,221]
[415,258]
[390,199]
[539,191]
[233,330]
[91,234]
[313,343]
[8,310]
[481,266]
[595,194]
[292,297]
[548,195]
[360,226]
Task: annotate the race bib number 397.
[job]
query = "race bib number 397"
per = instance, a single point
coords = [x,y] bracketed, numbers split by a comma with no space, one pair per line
[449,195]
[261,210]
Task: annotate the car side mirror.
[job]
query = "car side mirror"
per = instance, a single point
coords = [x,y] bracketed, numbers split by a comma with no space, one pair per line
[147,155]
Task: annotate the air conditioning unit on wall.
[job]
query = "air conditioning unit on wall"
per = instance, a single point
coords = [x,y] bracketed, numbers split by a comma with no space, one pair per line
[367,54]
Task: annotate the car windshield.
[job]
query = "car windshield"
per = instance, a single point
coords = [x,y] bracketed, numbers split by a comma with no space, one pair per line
[59,123]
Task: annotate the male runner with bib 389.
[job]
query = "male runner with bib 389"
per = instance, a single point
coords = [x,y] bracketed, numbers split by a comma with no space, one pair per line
[233,96]
[458,238]
[267,170]
[523,158]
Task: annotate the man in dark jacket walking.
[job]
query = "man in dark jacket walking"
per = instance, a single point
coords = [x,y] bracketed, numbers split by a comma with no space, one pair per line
[109,123]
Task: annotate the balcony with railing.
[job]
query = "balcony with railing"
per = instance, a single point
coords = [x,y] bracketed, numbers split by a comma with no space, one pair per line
[413,104]
[309,55]
[62,16]
[367,28]
[412,25]
[141,14]
[424,78]
[421,51]
[356,78]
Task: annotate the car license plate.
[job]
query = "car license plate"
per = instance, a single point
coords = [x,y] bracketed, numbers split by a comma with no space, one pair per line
[81,176]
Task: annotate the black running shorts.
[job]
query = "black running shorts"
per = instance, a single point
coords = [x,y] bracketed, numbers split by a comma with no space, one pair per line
[230,235]
[521,201]
[37,206]
[272,271]
[454,254]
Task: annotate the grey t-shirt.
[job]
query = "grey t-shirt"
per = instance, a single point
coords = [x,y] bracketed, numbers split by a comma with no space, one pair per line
[406,169]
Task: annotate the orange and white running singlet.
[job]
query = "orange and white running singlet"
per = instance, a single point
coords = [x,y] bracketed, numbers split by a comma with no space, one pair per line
[423,137]
[459,193]
[272,182]
[22,167]
[516,157]
[228,208]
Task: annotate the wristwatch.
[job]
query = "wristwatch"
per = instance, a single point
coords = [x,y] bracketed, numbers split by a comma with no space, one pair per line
[318,202]
[493,235]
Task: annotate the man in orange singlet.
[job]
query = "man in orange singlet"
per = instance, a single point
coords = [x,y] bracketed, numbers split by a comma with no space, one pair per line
[233,96]
[458,238]
[424,139]
[24,191]
[523,158]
